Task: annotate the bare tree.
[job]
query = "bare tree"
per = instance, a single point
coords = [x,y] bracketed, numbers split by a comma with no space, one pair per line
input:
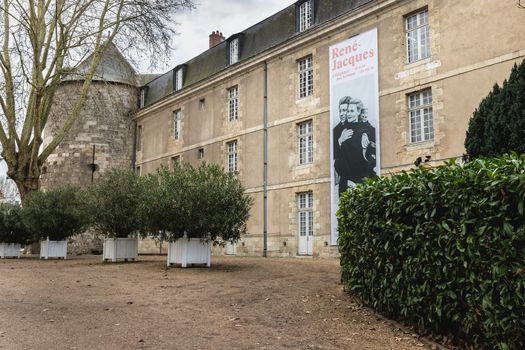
[8,191]
[45,40]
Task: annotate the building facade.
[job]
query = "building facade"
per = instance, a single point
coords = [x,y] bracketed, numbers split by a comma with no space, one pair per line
[258,103]
[437,60]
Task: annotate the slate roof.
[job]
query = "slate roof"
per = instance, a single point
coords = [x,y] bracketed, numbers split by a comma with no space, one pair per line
[262,36]
[113,67]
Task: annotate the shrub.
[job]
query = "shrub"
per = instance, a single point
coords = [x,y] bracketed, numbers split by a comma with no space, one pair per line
[498,124]
[57,213]
[203,202]
[114,204]
[12,229]
[442,248]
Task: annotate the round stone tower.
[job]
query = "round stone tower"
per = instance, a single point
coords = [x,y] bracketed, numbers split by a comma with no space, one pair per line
[103,133]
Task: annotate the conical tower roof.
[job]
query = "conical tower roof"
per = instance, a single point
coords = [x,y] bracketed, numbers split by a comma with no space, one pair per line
[113,67]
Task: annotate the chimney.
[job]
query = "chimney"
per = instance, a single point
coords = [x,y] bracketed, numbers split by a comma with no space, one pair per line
[216,38]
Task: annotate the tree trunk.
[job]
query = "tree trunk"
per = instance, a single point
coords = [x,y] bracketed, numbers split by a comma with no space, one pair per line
[27,179]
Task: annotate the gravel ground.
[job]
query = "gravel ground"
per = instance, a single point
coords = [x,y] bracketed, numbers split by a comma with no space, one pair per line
[239,303]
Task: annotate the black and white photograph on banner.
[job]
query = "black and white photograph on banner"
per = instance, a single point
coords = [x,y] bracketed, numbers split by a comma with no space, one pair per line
[354,136]
[354,116]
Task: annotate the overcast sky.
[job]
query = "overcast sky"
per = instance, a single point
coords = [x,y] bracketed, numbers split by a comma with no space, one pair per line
[227,16]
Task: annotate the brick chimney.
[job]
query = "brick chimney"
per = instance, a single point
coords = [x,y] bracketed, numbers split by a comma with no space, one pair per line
[216,38]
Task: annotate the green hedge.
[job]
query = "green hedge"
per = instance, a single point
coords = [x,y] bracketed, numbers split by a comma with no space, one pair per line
[442,248]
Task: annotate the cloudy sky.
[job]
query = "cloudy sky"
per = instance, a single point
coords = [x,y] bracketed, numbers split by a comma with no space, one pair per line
[227,16]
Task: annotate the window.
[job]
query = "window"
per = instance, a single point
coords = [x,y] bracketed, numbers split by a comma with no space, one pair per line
[234,51]
[142,101]
[232,156]
[306,218]
[201,153]
[137,170]
[202,103]
[305,15]
[305,77]
[139,138]
[417,31]
[306,140]
[233,104]
[175,160]
[179,76]
[177,119]
[421,118]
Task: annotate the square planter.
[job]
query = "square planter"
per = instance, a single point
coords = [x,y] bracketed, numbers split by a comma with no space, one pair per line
[10,250]
[191,251]
[53,249]
[120,248]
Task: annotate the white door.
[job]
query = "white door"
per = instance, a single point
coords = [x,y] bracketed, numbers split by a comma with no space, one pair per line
[230,248]
[306,224]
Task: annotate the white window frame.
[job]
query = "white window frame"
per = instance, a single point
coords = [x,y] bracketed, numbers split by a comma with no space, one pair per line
[417,36]
[305,204]
[179,77]
[139,138]
[420,116]
[177,124]
[305,142]
[142,97]
[305,15]
[234,51]
[306,77]
[233,103]
[232,156]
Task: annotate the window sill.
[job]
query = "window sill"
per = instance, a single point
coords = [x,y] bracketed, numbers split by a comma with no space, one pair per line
[420,62]
[304,166]
[304,99]
[420,145]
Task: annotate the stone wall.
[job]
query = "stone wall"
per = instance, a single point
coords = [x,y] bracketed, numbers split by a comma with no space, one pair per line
[104,122]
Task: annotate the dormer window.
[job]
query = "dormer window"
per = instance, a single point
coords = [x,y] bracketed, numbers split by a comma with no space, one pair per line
[305,15]
[142,98]
[234,51]
[178,77]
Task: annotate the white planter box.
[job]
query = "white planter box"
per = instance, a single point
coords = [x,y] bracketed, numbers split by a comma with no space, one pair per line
[120,248]
[191,251]
[10,250]
[53,249]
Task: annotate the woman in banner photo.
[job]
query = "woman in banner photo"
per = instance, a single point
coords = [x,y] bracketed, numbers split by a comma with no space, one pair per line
[354,144]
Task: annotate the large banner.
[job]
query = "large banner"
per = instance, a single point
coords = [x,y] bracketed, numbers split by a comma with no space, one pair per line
[354,115]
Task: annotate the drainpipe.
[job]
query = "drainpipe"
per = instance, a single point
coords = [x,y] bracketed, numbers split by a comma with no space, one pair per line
[265,172]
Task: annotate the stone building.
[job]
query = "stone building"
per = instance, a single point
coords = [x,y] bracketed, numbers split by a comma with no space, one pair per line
[445,53]
[104,132]
[101,138]
[258,103]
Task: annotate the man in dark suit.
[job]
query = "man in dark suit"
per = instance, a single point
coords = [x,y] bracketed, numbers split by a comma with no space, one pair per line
[354,144]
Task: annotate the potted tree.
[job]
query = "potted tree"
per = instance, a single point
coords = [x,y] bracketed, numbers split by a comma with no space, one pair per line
[13,233]
[53,216]
[194,207]
[114,208]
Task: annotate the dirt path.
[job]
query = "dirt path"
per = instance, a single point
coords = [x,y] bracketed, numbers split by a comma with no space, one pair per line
[240,303]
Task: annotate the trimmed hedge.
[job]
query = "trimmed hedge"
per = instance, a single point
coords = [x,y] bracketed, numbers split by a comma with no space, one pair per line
[442,248]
